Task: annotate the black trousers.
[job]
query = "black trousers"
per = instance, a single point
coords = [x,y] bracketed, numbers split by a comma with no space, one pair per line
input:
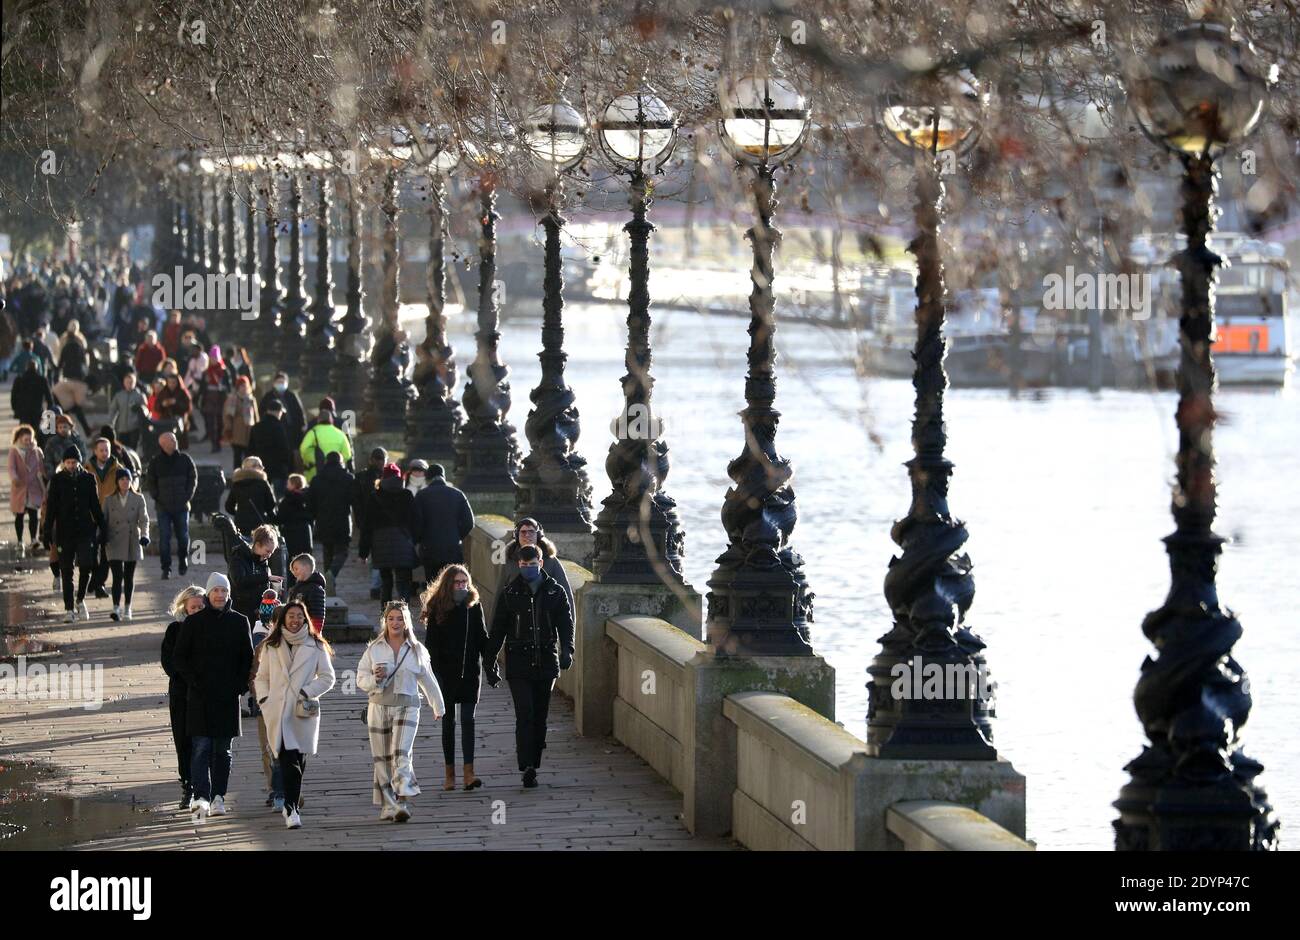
[32,515]
[336,555]
[184,749]
[402,577]
[532,703]
[123,580]
[82,554]
[466,732]
[293,764]
[100,574]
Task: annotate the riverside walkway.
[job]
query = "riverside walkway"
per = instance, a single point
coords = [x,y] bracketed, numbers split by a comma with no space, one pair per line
[594,793]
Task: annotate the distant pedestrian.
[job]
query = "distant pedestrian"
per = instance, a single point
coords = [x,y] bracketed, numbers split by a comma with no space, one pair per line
[457,639]
[445,520]
[172,480]
[127,411]
[269,442]
[30,395]
[534,621]
[321,439]
[213,653]
[189,601]
[73,520]
[26,481]
[365,484]
[387,534]
[330,500]
[294,519]
[126,520]
[393,671]
[149,357]
[216,385]
[64,436]
[295,423]
[238,418]
[294,671]
[251,501]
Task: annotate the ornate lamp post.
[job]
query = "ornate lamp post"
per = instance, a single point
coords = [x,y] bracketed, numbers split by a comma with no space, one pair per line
[389,390]
[435,417]
[352,346]
[553,484]
[216,241]
[758,601]
[199,225]
[639,539]
[315,357]
[293,316]
[268,320]
[929,587]
[487,453]
[1196,93]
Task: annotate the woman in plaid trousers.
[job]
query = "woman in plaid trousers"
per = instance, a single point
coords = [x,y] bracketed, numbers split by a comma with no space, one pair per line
[393,671]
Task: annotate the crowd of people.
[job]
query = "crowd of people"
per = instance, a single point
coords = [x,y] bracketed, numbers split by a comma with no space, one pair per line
[251,643]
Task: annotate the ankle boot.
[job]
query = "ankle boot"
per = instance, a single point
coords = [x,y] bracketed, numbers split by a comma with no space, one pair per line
[451,778]
[471,782]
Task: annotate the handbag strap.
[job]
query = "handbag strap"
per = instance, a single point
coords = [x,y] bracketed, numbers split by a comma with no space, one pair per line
[391,675]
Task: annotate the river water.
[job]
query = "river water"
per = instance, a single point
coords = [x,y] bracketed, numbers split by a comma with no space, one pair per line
[1065,495]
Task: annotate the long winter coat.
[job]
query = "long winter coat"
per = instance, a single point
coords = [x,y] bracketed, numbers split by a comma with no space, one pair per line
[391,519]
[293,420]
[251,501]
[26,479]
[269,441]
[249,577]
[457,644]
[445,520]
[330,500]
[126,525]
[278,685]
[295,521]
[30,396]
[537,629]
[214,653]
[177,691]
[72,513]
[238,417]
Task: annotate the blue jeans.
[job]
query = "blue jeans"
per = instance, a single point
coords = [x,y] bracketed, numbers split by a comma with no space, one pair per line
[210,767]
[181,522]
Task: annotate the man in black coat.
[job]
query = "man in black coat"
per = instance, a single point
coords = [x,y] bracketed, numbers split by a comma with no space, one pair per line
[171,480]
[269,441]
[329,499]
[445,520]
[295,423]
[214,654]
[534,621]
[30,394]
[73,521]
[365,485]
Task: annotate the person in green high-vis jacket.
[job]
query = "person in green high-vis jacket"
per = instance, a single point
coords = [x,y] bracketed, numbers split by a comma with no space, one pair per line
[323,438]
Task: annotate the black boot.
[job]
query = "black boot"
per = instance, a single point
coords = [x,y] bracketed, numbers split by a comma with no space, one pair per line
[530,778]
[186,795]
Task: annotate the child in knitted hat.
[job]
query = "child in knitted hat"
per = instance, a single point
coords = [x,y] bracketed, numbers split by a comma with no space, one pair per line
[270,601]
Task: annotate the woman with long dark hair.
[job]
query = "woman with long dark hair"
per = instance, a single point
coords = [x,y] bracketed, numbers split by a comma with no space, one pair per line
[457,638]
[294,670]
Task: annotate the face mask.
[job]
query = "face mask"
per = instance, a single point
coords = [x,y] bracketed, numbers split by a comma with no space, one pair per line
[417,482]
[530,572]
[281,386]
[460,595]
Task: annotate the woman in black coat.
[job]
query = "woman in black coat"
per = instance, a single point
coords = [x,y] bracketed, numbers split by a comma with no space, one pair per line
[251,500]
[250,571]
[214,654]
[188,601]
[457,640]
[388,534]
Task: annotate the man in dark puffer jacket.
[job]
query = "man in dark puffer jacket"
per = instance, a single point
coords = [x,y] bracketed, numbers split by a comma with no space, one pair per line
[171,480]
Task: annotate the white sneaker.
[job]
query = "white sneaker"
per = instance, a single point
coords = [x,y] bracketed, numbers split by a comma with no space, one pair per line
[218,807]
[126,613]
[403,812]
[85,611]
[198,811]
[292,820]
[117,613]
[69,617]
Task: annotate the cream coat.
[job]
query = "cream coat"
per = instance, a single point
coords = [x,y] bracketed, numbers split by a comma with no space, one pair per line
[277,689]
[416,672]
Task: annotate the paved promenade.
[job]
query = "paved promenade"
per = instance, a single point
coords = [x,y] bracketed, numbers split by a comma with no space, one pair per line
[594,794]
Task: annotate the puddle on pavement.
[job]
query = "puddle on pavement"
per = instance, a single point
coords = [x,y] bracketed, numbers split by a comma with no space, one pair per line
[18,610]
[31,819]
[17,615]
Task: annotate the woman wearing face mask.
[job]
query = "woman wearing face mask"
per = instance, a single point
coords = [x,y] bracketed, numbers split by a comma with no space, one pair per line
[457,638]
[294,419]
[393,671]
[294,671]
[216,386]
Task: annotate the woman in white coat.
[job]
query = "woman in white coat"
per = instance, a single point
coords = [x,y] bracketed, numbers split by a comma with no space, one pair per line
[394,670]
[126,521]
[294,671]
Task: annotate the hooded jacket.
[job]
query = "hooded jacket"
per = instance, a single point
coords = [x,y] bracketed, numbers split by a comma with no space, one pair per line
[251,500]
[392,518]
